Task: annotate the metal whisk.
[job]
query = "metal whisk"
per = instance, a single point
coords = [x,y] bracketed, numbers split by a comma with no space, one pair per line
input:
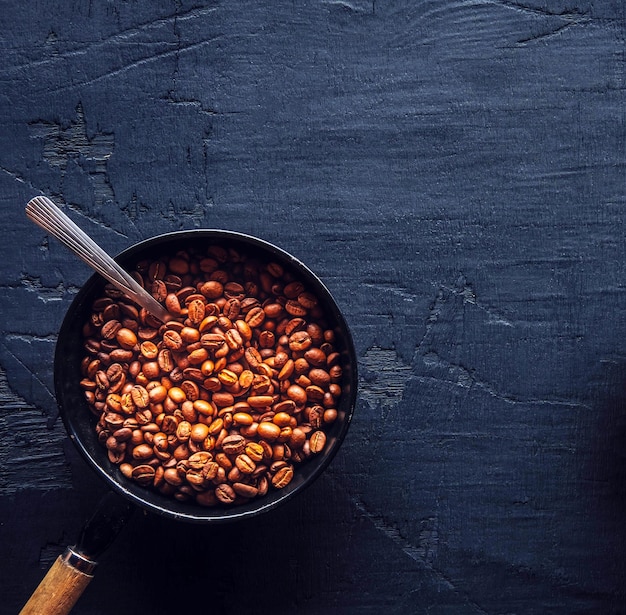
[43,212]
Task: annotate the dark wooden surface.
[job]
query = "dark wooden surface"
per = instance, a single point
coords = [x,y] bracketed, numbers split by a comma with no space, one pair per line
[455,173]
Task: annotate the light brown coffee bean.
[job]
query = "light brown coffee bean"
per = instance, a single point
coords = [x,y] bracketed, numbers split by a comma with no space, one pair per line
[255,317]
[268,431]
[140,396]
[245,464]
[126,338]
[142,452]
[254,451]
[260,401]
[317,441]
[297,394]
[282,477]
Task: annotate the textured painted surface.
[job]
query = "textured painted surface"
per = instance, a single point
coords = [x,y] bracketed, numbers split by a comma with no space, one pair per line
[455,173]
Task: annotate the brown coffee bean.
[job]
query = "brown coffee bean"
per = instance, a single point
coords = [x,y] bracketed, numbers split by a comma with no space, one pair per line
[255,317]
[169,424]
[233,339]
[287,370]
[300,341]
[143,474]
[242,418]
[260,401]
[126,338]
[282,477]
[297,394]
[165,360]
[227,377]
[110,329]
[207,323]
[198,356]
[113,402]
[314,416]
[232,308]
[315,356]
[244,464]
[142,452]
[254,451]
[225,493]
[184,431]
[190,390]
[234,444]
[268,431]
[286,405]
[172,340]
[199,432]
[173,477]
[121,355]
[245,490]
[196,311]
[294,308]
[212,289]
[317,441]
[267,339]
[157,394]
[314,393]
[189,335]
[245,379]
[140,396]
[216,426]
[204,407]
[297,438]
[330,416]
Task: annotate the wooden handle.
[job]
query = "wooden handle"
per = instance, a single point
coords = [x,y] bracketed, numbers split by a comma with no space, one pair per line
[61,587]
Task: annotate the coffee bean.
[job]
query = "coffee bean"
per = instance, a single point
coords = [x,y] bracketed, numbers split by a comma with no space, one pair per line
[317,441]
[282,477]
[225,493]
[234,444]
[245,464]
[217,405]
[268,431]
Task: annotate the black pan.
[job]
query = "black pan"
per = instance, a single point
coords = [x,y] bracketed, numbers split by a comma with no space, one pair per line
[80,422]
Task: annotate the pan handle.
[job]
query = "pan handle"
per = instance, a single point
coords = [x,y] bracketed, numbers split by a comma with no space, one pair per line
[62,586]
[73,570]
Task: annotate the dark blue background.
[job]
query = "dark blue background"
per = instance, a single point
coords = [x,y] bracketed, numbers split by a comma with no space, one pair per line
[455,173]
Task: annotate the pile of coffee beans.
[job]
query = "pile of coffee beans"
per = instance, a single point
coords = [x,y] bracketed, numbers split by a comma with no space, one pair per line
[221,403]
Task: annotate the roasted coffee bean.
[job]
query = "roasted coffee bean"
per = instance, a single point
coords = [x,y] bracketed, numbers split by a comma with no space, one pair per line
[317,441]
[282,477]
[255,317]
[225,493]
[172,340]
[254,451]
[244,464]
[268,431]
[126,338]
[218,404]
[140,396]
[233,444]
[110,328]
[143,474]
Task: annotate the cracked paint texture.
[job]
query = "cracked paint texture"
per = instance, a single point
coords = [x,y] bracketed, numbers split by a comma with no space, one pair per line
[453,171]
